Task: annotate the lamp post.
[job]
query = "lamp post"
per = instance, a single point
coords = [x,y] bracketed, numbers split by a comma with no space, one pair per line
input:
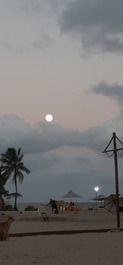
[96,190]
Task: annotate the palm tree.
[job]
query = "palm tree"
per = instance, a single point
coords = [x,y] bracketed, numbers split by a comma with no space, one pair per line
[12,165]
[3,180]
[3,191]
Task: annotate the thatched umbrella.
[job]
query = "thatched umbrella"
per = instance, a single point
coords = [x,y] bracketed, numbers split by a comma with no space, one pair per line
[110,202]
[70,195]
[99,198]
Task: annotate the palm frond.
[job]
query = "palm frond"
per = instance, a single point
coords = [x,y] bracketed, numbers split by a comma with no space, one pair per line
[25,169]
[20,176]
[19,152]
[20,158]
[7,173]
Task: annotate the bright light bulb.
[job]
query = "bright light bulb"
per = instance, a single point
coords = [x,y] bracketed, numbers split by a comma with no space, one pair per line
[96,188]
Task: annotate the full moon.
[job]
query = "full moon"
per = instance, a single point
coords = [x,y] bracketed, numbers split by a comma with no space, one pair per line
[49,117]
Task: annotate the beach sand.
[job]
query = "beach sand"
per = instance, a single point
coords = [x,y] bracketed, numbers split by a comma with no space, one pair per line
[86,248]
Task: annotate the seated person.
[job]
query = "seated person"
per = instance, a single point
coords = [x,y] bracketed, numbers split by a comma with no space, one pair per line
[72,203]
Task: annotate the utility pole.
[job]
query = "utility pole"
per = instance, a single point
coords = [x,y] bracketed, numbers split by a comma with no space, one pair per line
[115,150]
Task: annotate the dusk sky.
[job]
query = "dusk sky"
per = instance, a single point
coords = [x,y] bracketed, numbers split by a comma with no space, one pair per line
[64,58]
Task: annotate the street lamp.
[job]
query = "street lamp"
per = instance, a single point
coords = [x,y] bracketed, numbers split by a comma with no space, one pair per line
[96,190]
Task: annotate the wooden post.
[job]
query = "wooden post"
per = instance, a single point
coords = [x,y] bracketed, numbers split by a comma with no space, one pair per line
[114,140]
[116,180]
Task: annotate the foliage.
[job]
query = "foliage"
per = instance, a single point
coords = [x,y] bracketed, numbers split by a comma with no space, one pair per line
[13,166]
[3,180]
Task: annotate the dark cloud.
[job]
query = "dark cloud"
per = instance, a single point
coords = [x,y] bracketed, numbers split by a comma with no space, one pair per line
[99,24]
[58,158]
[46,137]
[114,91]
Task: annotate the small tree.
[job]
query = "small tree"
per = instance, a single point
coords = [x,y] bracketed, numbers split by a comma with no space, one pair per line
[12,165]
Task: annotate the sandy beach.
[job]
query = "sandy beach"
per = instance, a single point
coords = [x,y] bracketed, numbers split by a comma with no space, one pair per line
[85,248]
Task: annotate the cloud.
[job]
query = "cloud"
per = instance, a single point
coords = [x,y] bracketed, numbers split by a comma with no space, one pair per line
[99,24]
[58,158]
[42,43]
[56,172]
[114,91]
[30,6]
[46,137]
[31,23]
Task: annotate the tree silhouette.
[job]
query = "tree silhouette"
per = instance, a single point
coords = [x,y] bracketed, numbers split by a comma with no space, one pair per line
[12,165]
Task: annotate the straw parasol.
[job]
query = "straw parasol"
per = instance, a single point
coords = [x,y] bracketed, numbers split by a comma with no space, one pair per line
[99,198]
[110,202]
[70,195]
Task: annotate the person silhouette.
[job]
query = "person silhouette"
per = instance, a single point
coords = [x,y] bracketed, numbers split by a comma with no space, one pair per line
[53,206]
